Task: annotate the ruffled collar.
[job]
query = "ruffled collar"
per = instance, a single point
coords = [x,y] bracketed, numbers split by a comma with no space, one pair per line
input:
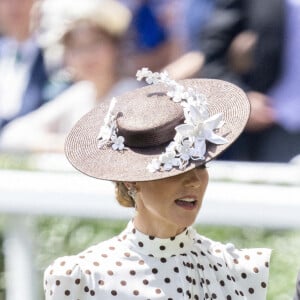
[158,247]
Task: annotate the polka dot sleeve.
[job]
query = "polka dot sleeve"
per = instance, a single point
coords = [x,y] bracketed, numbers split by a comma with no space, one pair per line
[250,268]
[63,279]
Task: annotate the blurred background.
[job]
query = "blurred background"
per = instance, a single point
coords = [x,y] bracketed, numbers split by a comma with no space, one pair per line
[60,58]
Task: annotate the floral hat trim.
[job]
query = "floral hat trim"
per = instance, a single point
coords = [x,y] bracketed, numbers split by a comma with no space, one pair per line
[190,139]
[108,132]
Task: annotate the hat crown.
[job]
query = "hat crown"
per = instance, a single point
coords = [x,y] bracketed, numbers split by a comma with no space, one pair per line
[150,121]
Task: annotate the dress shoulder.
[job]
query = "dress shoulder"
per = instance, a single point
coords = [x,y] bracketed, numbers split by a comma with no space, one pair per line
[74,276]
[63,278]
[248,268]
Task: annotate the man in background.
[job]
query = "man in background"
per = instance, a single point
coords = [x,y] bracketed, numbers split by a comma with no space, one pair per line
[256,44]
[23,75]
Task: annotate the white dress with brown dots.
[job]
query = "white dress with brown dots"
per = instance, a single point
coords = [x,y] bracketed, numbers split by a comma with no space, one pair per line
[136,266]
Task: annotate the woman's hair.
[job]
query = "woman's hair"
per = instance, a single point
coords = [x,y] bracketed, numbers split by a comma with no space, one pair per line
[122,195]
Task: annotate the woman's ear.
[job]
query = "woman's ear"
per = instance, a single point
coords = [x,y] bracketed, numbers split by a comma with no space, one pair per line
[130,185]
[131,189]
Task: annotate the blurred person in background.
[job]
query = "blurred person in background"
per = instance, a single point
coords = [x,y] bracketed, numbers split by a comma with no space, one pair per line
[91,38]
[256,44]
[23,74]
[163,34]
[156,35]
[197,14]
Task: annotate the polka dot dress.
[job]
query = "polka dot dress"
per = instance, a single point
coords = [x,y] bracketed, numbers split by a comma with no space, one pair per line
[136,266]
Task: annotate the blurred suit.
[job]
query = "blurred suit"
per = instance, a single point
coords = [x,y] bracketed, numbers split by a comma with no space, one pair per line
[34,94]
[269,20]
[231,17]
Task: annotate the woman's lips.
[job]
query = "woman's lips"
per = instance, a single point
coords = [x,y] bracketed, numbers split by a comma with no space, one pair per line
[188,203]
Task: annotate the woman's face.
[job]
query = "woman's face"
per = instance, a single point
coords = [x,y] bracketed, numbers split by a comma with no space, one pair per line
[15,17]
[90,53]
[166,207]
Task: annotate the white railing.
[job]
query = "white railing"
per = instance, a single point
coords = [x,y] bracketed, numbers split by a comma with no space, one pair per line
[241,194]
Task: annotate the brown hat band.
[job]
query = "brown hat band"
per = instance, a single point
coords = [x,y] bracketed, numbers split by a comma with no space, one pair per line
[152,136]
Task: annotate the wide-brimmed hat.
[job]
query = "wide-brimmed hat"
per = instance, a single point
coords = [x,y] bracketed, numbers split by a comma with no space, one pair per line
[158,131]
[111,16]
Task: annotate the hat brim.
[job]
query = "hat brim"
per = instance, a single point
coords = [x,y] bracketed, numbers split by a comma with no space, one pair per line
[82,150]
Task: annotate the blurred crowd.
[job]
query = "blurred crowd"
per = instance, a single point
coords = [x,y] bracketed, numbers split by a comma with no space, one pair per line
[60,58]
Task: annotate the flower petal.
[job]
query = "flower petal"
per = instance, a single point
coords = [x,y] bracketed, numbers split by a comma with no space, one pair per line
[195,115]
[216,139]
[199,149]
[167,166]
[185,129]
[144,72]
[114,146]
[214,121]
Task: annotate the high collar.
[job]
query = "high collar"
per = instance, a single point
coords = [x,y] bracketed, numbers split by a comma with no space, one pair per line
[158,247]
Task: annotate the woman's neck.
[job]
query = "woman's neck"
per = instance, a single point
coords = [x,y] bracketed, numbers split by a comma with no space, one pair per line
[158,228]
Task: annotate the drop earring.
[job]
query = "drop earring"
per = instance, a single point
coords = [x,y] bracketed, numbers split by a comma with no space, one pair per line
[132,192]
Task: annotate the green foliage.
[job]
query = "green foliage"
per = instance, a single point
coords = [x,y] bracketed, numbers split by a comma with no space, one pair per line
[14,162]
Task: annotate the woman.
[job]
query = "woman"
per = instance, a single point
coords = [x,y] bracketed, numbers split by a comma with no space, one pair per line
[154,143]
[91,39]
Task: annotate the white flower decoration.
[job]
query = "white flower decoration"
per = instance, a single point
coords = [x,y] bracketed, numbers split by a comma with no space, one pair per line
[198,150]
[168,160]
[143,73]
[185,150]
[105,134]
[154,165]
[190,140]
[108,132]
[118,143]
[178,94]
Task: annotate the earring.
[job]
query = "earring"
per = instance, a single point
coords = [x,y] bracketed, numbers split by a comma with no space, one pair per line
[132,192]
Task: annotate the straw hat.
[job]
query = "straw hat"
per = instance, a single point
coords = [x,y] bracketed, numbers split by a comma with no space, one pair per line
[61,17]
[159,130]
[109,15]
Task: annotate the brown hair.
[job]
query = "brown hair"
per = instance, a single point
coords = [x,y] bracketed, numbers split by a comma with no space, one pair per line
[122,196]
